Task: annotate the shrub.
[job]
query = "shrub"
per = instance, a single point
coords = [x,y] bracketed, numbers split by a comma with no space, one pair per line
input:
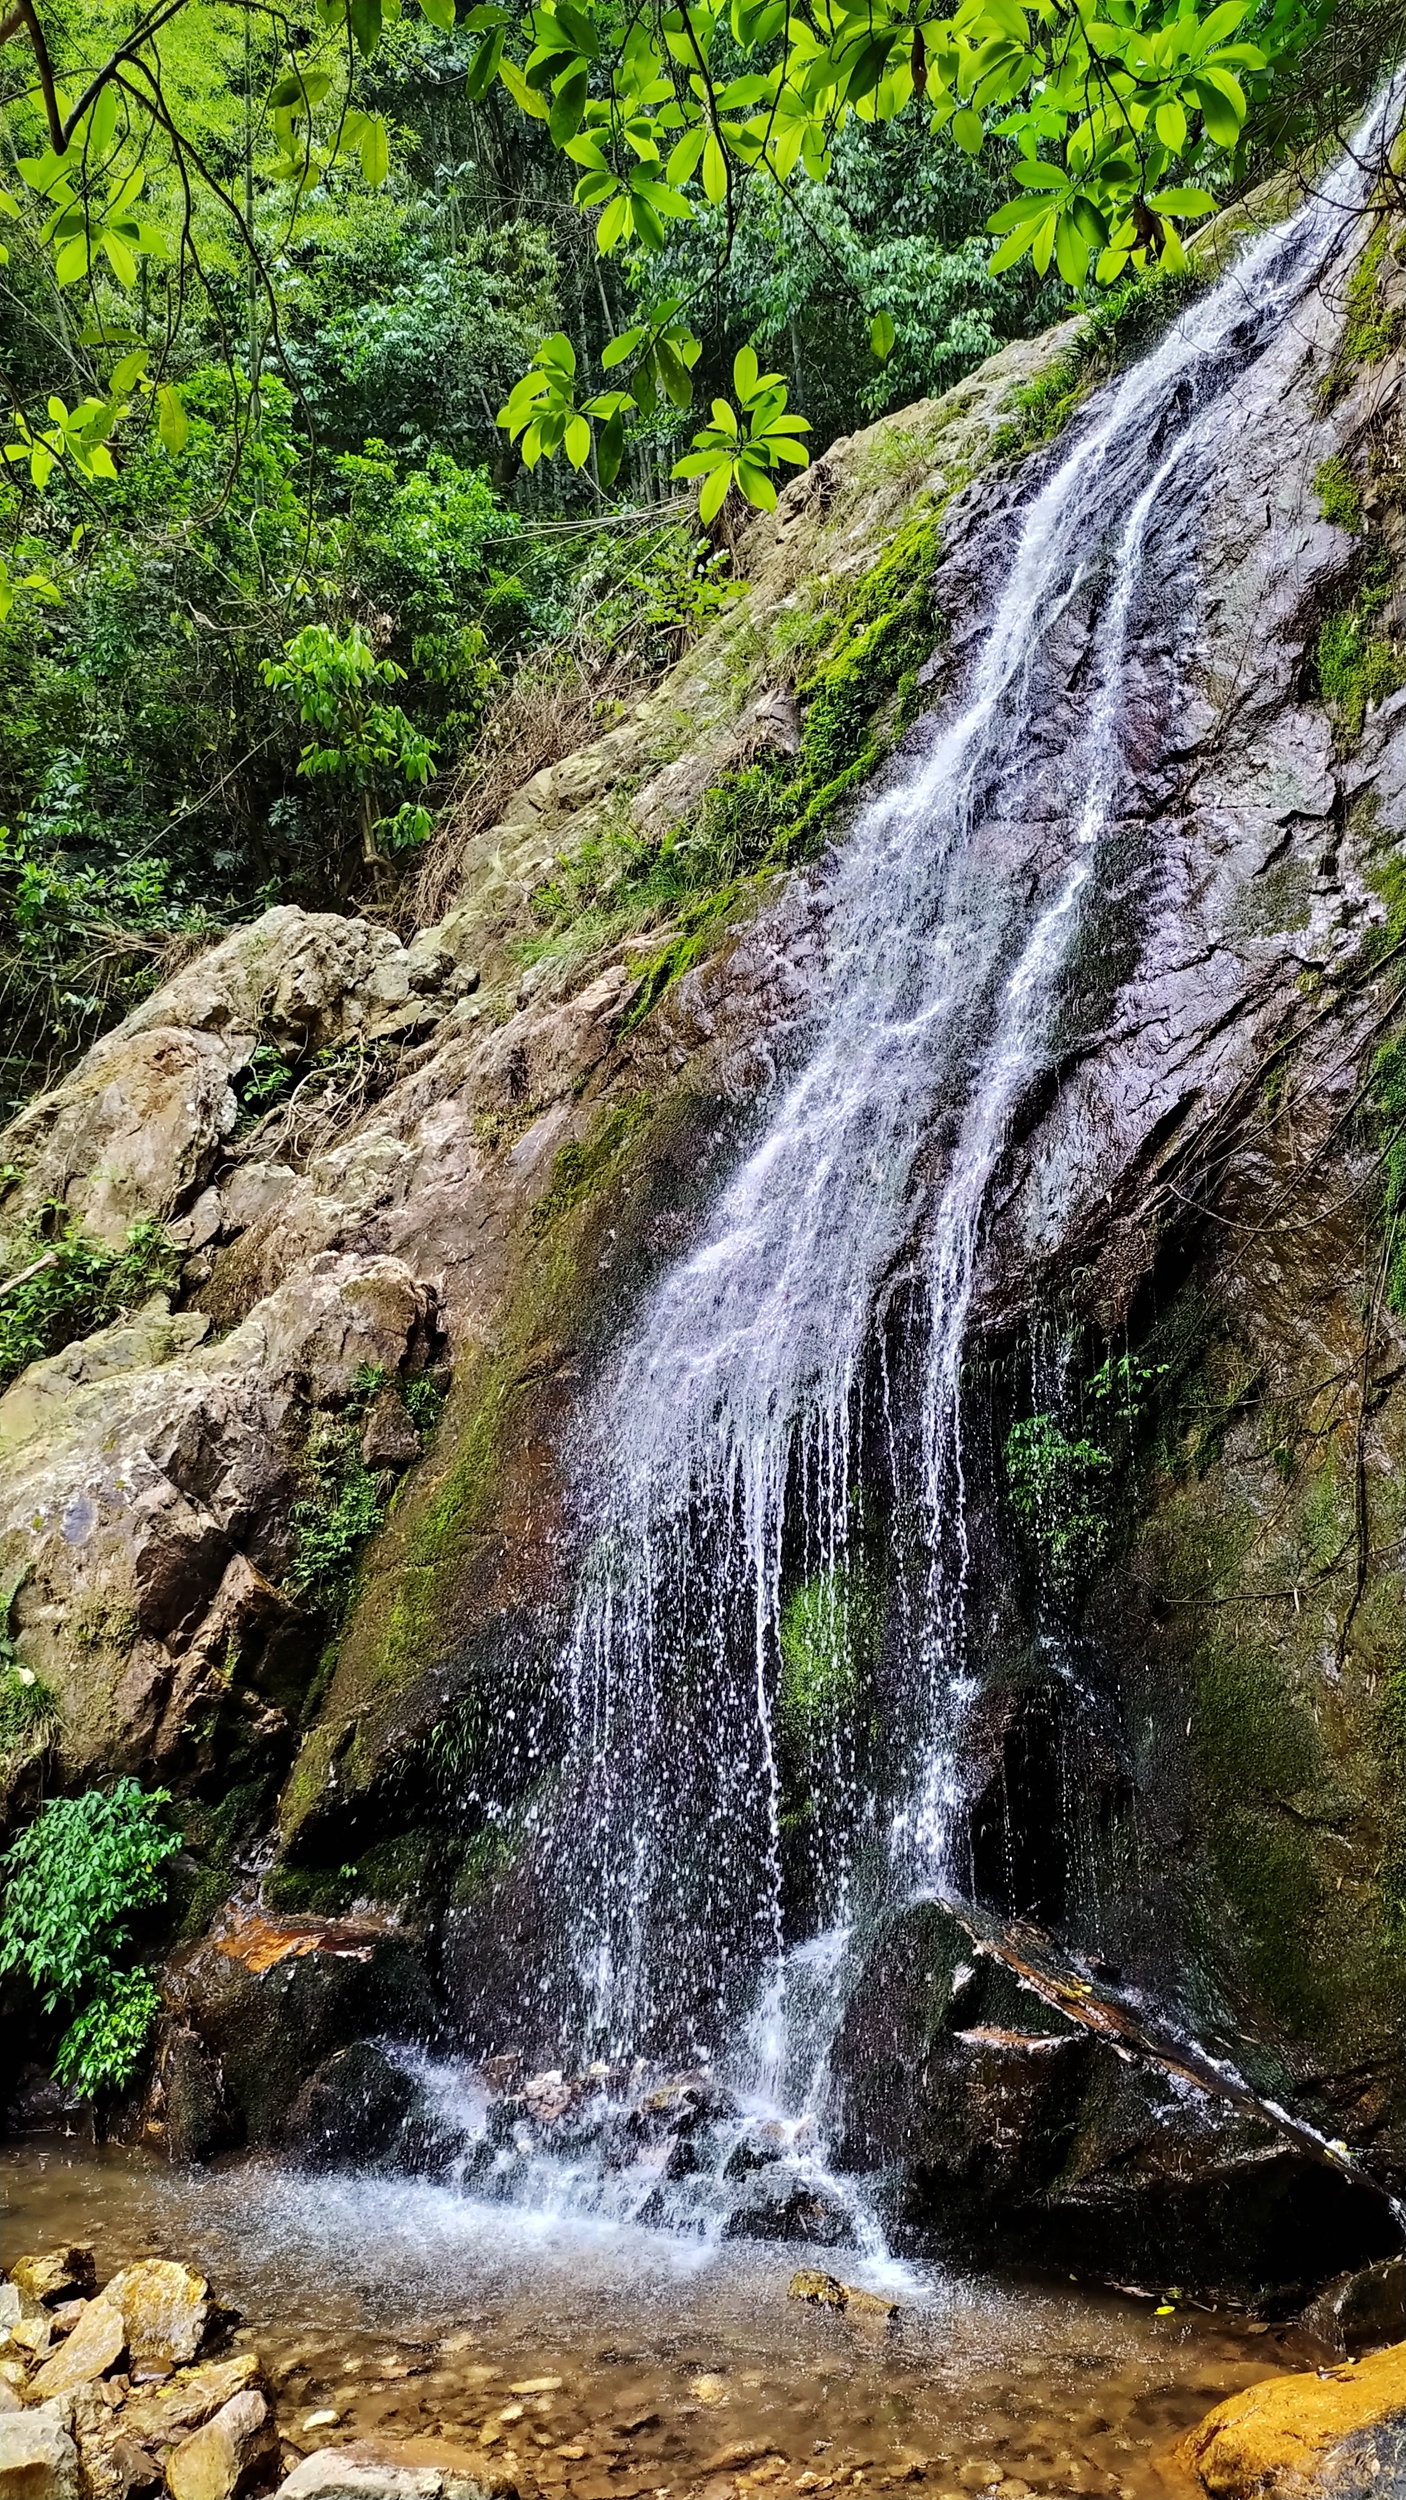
[74,1883]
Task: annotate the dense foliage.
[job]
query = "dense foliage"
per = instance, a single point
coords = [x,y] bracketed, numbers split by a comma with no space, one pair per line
[75,1884]
[282,294]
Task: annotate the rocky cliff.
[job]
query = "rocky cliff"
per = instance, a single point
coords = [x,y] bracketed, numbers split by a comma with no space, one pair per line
[269,1533]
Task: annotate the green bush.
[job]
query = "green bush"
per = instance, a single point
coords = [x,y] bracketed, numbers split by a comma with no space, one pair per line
[78,1285]
[75,1881]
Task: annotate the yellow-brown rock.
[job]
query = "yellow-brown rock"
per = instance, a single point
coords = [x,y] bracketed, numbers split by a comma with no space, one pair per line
[166,2308]
[1269,2442]
[56,2275]
[92,2347]
[220,2458]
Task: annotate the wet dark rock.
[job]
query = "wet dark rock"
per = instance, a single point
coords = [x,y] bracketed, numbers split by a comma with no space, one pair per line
[781,2207]
[197,2121]
[268,2029]
[1361,2312]
[356,2108]
[996,2122]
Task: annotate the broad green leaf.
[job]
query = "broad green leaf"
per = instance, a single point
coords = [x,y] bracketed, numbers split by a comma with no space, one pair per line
[440,13]
[1186,200]
[578,442]
[966,128]
[882,336]
[364,17]
[714,171]
[171,421]
[483,68]
[715,487]
[375,153]
[518,88]
[568,104]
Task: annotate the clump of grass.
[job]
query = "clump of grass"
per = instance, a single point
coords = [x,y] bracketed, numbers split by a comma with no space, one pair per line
[344,1503]
[1114,330]
[1338,495]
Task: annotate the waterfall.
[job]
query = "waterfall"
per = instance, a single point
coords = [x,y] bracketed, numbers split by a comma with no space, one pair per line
[772,1473]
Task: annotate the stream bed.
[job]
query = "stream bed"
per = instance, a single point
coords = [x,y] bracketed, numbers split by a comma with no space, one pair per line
[663,2365]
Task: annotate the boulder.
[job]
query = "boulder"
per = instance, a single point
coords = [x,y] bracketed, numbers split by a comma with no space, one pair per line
[93,2347]
[226,2454]
[146,1481]
[272,2005]
[38,2460]
[59,2274]
[388,2469]
[1276,2439]
[165,2309]
[1360,2312]
[114,2466]
[353,2109]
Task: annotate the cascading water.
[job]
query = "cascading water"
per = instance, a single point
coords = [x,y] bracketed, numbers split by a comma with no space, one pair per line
[740,1626]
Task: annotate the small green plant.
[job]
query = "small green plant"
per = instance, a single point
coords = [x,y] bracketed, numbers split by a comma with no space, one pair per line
[365,744]
[75,1882]
[29,1707]
[424,1402]
[1389,1094]
[74,1285]
[1056,1488]
[1337,492]
[344,1503]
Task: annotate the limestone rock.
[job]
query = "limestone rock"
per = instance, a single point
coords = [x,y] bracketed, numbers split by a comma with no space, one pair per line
[38,2460]
[10,2399]
[388,2469]
[58,2274]
[388,1437]
[1272,2441]
[824,2290]
[220,2459]
[144,1504]
[163,2414]
[253,1192]
[92,2347]
[165,2308]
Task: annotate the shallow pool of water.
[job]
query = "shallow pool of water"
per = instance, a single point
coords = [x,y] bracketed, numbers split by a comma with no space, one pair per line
[411,2310]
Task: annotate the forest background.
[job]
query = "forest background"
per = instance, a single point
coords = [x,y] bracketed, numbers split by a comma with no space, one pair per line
[305,607]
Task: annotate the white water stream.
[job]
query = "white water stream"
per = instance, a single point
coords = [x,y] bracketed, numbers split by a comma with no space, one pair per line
[725,1453]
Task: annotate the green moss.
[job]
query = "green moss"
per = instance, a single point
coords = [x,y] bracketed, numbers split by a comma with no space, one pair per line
[829,1635]
[1338,497]
[581,1167]
[1371,328]
[1357,666]
[856,701]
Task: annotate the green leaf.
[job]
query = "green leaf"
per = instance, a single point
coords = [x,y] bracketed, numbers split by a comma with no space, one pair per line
[714,494]
[171,421]
[375,153]
[882,336]
[483,68]
[714,172]
[1188,200]
[568,104]
[365,20]
[526,100]
[440,13]
[966,128]
[578,441]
